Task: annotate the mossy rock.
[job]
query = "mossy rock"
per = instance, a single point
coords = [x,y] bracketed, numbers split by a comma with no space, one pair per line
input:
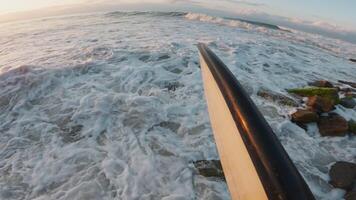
[331,93]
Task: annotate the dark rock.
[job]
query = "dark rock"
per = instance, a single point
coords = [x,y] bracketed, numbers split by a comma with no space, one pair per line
[72,134]
[348,102]
[321,83]
[330,93]
[209,168]
[144,58]
[266,65]
[352,60]
[302,125]
[163,57]
[277,97]
[352,84]
[173,126]
[351,195]
[352,126]
[172,86]
[332,125]
[320,104]
[170,125]
[343,175]
[304,116]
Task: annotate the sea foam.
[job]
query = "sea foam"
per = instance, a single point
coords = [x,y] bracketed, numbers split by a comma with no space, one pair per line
[111,106]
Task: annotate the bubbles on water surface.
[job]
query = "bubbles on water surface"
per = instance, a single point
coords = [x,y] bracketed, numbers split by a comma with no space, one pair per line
[119,113]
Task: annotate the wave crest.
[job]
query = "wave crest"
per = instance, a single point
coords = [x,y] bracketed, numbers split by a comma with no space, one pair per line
[217,20]
[138,13]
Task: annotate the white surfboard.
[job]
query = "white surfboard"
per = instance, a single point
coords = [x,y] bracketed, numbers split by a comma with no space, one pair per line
[255,164]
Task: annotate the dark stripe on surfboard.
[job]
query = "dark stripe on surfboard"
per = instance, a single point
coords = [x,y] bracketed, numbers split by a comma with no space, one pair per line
[278,175]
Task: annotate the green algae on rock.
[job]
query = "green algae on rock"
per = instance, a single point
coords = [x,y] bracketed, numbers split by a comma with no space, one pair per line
[331,93]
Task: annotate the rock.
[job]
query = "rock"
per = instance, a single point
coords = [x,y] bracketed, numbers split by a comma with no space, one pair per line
[351,195]
[332,125]
[302,125]
[321,83]
[71,134]
[330,93]
[352,60]
[347,89]
[348,102]
[304,116]
[277,97]
[350,94]
[342,175]
[352,126]
[320,104]
[209,168]
[163,57]
[352,84]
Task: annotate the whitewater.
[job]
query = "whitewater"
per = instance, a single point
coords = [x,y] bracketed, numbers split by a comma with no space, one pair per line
[111,105]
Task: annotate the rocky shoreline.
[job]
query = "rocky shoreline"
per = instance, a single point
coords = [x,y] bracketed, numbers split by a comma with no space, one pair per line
[315,103]
[320,99]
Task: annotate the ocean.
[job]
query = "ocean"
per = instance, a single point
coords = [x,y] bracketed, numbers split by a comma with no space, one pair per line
[111,105]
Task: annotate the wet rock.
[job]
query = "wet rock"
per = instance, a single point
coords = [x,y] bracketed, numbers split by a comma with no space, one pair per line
[277,97]
[352,60]
[347,89]
[172,86]
[304,116]
[163,57]
[302,125]
[352,84]
[269,111]
[332,125]
[351,195]
[320,104]
[343,175]
[348,102]
[352,126]
[209,168]
[170,125]
[330,93]
[72,134]
[321,83]
[350,94]
[144,58]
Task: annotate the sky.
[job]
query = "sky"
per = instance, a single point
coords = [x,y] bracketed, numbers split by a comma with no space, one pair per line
[334,18]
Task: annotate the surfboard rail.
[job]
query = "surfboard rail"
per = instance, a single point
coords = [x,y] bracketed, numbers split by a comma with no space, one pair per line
[255,163]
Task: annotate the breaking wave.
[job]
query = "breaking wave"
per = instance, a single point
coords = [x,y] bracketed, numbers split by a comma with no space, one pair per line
[217,20]
[96,107]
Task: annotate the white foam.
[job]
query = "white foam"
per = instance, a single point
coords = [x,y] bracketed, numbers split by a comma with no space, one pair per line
[218,20]
[100,107]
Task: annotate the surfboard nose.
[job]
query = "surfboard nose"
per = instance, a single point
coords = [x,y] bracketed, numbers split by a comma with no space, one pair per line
[254,161]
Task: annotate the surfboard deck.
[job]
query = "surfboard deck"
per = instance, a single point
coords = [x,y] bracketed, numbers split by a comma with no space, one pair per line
[255,164]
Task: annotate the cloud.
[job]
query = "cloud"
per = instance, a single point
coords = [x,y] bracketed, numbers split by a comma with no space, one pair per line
[324,28]
[247,3]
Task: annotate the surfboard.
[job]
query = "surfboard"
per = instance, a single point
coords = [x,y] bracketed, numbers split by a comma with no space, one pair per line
[255,164]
